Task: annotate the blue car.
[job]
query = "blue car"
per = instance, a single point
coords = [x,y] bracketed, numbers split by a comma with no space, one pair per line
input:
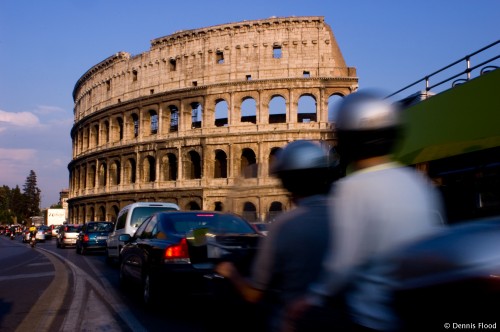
[93,236]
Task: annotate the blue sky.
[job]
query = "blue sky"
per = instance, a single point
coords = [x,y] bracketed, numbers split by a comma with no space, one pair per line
[46,46]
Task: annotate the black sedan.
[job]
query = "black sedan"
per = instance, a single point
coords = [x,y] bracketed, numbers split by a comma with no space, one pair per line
[176,251]
[93,236]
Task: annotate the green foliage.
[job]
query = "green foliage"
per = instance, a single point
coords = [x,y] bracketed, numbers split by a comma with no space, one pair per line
[17,206]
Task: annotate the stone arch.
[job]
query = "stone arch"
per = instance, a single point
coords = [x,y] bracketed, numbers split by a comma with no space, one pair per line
[248,163]
[101,214]
[174,118]
[129,171]
[168,167]
[192,168]
[91,214]
[333,104]
[275,209]
[277,109]
[114,173]
[272,157]
[103,174]
[106,132]
[307,108]
[120,128]
[220,164]
[221,113]
[248,110]
[193,206]
[95,135]
[92,175]
[196,115]
[151,121]
[249,212]
[133,126]
[149,169]
[218,206]
[114,213]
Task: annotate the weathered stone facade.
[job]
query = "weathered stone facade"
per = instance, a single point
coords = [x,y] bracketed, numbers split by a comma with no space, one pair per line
[197,119]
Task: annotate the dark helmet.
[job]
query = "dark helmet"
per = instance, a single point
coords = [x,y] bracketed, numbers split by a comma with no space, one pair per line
[367,126]
[305,168]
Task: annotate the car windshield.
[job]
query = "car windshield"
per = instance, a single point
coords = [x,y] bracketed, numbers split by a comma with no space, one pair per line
[99,227]
[142,212]
[217,223]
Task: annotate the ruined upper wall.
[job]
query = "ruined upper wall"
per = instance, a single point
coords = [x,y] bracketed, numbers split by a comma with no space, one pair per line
[274,48]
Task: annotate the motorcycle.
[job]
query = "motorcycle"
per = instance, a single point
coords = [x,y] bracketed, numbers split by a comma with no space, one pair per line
[32,241]
[12,236]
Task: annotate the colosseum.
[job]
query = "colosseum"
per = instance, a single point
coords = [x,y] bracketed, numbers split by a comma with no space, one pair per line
[197,119]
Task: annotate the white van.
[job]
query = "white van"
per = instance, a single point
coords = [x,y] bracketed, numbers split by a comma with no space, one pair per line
[127,221]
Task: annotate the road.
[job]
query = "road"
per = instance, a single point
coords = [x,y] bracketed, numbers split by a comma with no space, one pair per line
[53,289]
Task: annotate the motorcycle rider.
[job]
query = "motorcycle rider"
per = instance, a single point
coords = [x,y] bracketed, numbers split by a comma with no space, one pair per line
[32,232]
[379,206]
[290,257]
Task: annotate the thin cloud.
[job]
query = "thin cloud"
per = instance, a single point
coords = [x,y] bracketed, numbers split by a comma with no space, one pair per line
[45,110]
[21,119]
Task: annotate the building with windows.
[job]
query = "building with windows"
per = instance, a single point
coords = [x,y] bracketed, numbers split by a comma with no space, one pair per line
[197,119]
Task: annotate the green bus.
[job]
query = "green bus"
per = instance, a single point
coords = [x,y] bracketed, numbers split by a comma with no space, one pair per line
[454,136]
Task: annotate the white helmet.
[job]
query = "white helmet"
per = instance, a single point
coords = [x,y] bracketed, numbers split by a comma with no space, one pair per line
[367,125]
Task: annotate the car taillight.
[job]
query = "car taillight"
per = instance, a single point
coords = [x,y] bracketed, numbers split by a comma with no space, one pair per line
[85,238]
[177,253]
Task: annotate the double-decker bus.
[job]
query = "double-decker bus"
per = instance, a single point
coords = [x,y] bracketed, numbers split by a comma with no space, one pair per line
[454,135]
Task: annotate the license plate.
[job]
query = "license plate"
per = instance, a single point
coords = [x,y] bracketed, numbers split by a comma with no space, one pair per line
[72,241]
[102,237]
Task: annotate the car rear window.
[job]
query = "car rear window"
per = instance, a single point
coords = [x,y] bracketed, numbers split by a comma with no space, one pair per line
[99,227]
[72,229]
[141,213]
[220,224]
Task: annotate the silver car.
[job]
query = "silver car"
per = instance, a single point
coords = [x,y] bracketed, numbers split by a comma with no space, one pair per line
[67,235]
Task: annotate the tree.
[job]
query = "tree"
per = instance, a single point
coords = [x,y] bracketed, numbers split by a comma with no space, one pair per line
[32,195]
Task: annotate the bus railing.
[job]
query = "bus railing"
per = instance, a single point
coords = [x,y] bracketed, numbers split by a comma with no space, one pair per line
[467,72]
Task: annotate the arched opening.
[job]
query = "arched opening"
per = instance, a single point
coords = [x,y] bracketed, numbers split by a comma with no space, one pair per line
[135,125]
[196,115]
[91,214]
[102,214]
[272,158]
[106,131]
[149,169]
[174,118]
[249,110]
[119,122]
[169,167]
[153,122]
[248,164]
[333,105]
[114,212]
[193,166]
[277,109]
[249,212]
[193,206]
[275,209]
[95,136]
[221,113]
[130,171]
[306,111]
[219,206]
[114,173]
[220,166]
[92,176]
[103,175]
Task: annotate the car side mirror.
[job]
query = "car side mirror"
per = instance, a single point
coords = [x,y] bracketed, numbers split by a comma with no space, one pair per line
[125,238]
